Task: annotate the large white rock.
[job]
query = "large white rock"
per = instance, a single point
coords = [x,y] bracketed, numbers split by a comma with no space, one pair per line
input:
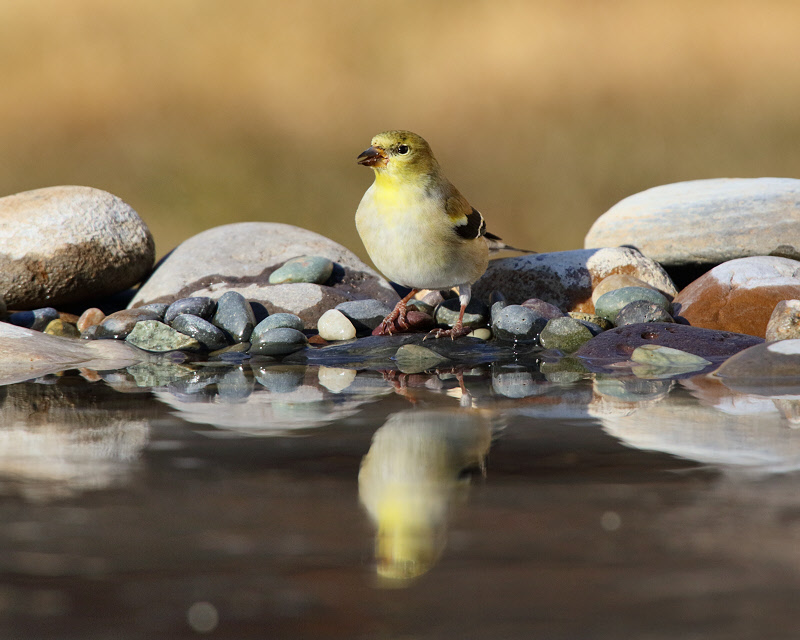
[705,221]
[63,245]
[240,257]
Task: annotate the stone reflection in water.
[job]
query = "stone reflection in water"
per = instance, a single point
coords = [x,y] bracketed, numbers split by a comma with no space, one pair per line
[410,477]
[733,430]
[270,399]
[55,443]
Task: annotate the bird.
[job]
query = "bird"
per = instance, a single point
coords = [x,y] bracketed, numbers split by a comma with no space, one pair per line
[418,229]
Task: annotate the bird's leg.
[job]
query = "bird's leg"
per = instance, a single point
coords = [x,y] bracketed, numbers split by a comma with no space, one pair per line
[395,322]
[458,330]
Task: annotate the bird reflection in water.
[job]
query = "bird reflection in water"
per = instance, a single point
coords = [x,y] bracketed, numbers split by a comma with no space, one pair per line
[412,473]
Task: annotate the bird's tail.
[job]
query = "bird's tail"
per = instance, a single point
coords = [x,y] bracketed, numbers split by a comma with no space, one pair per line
[496,244]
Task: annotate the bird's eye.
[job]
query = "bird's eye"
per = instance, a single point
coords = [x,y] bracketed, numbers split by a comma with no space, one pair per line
[402,149]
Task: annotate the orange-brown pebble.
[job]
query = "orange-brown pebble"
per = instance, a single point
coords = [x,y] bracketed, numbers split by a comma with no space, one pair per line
[89,318]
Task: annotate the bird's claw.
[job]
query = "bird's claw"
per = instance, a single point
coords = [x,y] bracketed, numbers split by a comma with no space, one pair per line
[457,331]
[395,322]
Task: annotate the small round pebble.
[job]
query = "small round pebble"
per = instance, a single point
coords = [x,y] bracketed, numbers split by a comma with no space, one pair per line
[199,306]
[63,329]
[518,323]
[278,342]
[334,325]
[482,333]
[609,304]
[213,338]
[314,269]
[642,311]
[279,320]
[565,334]
[476,314]
[89,318]
[119,324]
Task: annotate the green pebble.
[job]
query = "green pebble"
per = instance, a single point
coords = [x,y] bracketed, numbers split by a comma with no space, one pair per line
[152,335]
[565,334]
[313,269]
[609,304]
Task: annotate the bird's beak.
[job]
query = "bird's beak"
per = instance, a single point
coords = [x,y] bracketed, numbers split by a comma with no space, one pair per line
[373,157]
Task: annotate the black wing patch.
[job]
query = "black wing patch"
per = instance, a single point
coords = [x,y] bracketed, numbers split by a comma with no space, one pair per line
[475,226]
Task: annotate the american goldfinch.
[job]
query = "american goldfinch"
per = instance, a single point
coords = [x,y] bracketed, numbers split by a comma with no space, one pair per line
[418,229]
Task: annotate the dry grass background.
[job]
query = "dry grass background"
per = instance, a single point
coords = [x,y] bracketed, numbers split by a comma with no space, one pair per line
[200,113]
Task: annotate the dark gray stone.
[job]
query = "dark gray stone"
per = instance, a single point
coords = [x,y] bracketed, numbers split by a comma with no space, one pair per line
[518,323]
[199,306]
[235,316]
[211,337]
[159,308]
[278,342]
[278,321]
[368,314]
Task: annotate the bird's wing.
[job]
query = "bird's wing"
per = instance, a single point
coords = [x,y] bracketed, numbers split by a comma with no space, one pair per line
[468,222]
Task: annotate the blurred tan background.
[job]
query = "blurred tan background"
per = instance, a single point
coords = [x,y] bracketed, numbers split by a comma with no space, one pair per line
[199,113]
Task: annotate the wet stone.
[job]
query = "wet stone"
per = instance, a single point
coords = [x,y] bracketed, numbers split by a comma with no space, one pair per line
[211,337]
[496,308]
[63,329]
[159,308]
[564,334]
[618,344]
[235,316]
[784,323]
[543,309]
[152,335]
[368,314]
[313,269]
[334,325]
[476,314]
[37,319]
[279,320]
[89,318]
[199,306]
[278,342]
[592,318]
[642,311]
[518,323]
[119,324]
[609,304]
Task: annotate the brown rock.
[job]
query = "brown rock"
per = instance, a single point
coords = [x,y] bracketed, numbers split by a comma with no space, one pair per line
[618,344]
[89,318]
[739,295]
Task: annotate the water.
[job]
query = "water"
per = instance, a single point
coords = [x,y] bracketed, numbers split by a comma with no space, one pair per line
[183,501]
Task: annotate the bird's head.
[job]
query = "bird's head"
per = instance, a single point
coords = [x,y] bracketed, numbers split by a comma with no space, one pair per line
[399,154]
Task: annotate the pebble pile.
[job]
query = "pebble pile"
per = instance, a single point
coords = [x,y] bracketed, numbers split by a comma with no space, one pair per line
[300,297]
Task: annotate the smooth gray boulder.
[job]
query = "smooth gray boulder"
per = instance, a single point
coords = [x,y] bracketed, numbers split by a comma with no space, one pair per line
[241,257]
[705,222]
[68,244]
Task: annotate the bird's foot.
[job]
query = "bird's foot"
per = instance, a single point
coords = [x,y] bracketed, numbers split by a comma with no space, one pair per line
[395,322]
[457,331]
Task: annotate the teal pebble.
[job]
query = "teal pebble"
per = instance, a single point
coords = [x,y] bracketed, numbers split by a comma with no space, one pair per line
[609,304]
[277,321]
[313,269]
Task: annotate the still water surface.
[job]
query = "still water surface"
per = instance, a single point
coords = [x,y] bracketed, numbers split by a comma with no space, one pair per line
[263,501]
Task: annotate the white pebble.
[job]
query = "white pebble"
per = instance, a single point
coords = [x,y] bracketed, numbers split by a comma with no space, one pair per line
[334,325]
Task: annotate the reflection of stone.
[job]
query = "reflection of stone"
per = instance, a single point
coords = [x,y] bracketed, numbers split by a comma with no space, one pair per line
[408,480]
[48,449]
[286,398]
[725,428]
